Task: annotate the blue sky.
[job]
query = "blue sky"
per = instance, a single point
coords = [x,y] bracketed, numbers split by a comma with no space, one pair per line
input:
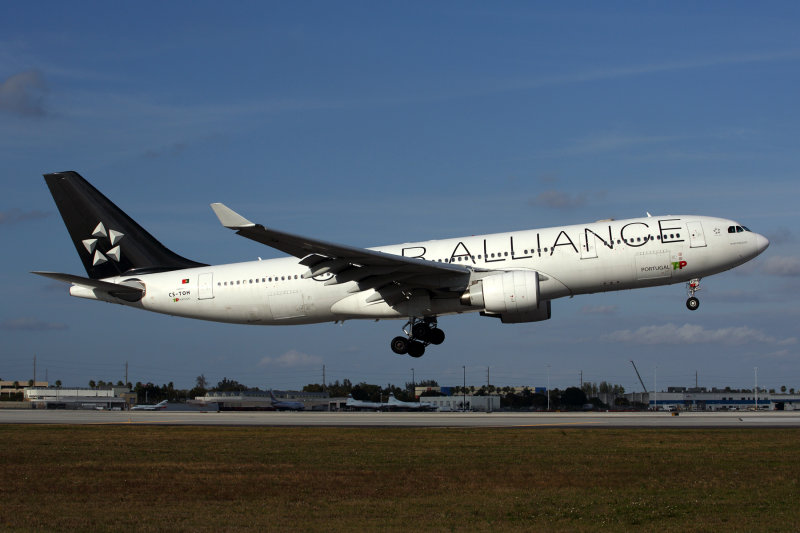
[369,124]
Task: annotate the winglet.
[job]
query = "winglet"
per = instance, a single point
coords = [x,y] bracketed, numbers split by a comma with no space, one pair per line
[230,218]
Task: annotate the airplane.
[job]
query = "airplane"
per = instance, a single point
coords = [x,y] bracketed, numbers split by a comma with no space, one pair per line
[352,403]
[284,405]
[394,403]
[511,276]
[156,407]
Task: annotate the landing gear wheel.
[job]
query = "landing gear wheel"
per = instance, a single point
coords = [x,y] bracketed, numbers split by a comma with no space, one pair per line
[416,349]
[400,345]
[420,331]
[436,336]
[692,303]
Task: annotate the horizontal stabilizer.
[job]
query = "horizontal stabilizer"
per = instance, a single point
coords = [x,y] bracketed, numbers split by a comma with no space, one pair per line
[124,292]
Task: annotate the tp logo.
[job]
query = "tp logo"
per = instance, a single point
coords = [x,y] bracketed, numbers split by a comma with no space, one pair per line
[678,265]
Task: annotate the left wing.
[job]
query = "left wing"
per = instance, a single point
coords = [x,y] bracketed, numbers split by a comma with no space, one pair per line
[390,275]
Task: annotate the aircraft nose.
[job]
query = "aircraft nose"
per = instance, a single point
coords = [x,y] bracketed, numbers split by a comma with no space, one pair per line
[761,243]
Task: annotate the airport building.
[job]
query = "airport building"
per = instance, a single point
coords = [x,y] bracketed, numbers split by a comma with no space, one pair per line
[701,399]
[258,400]
[10,389]
[80,398]
[459,402]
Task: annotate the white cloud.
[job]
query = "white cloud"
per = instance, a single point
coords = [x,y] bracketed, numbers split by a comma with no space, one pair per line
[558,200]
[30,324]
[777,265]
[692,334]
[23,94]
[14,216]
[599,309]
[291,359]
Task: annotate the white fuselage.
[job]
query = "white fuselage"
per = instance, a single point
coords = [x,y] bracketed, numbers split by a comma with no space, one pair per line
[570,260]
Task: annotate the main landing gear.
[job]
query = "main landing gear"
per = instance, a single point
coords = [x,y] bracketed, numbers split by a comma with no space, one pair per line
[422,333]
[693,286]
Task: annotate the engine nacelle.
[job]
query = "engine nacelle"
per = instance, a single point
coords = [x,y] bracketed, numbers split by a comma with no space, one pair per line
[513,296]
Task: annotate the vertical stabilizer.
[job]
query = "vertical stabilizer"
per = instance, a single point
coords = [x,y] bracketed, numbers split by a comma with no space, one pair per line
[108,241]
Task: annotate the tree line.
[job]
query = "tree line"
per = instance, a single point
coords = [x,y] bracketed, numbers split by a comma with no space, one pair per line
[510,397]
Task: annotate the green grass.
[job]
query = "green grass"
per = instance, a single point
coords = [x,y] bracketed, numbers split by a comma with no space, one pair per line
[338,479]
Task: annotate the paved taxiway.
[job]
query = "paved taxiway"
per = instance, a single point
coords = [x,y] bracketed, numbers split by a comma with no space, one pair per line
[441,420]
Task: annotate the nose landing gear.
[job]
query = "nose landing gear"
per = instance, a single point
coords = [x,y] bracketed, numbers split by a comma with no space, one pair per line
[693,286]
[422,332]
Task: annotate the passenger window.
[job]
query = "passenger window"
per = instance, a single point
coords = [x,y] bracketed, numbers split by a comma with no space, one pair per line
[237,281]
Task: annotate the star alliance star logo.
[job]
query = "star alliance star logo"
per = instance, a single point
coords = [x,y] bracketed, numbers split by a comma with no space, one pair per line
[100,234]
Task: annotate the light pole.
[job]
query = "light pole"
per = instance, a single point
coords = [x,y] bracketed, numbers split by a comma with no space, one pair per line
[464,390]
[756,389]
[548,387]
[655,388]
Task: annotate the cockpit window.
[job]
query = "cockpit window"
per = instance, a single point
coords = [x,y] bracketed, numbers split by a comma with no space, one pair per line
[737,229]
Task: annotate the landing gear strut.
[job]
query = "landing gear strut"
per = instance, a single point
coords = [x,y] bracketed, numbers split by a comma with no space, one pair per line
[421,332]
[693,286]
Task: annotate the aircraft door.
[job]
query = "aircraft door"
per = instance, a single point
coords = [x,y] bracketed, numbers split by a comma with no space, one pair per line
[286,304]
[205,286]
[696,237]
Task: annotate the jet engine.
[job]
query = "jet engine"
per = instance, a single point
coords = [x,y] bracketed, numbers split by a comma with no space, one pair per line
[513,296]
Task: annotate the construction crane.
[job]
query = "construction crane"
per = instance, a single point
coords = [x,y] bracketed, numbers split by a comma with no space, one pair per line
[639,376]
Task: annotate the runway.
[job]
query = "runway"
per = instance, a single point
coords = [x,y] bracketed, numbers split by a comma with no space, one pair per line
[772,419]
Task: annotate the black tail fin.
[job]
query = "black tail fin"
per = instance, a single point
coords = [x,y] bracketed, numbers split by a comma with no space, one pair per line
[108,241]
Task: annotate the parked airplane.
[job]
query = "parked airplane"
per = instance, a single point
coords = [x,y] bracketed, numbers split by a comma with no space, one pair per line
[285,405]
[352,403]
[511,276]
[394,403]
[156,407]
